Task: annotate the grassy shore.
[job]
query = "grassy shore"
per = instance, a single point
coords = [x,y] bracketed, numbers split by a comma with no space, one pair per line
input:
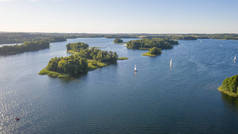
[149,54]
[122,58]
[53,74]
[92,65]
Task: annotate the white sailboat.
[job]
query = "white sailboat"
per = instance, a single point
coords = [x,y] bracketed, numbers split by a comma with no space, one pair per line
[135,70]
[171,63]
[234,60]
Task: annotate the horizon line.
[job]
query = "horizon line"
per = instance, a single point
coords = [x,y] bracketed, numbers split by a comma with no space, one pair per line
[114,32]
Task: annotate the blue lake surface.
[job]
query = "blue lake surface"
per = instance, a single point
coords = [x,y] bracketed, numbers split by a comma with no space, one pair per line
[115,100]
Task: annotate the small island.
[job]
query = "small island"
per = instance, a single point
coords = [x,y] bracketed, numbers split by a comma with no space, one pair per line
[153,52]
[82,60]
[230,86]
[27,46]
[154,45]
[118,40]
[146,44]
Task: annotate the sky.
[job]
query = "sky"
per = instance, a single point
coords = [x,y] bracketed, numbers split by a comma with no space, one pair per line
[119,16]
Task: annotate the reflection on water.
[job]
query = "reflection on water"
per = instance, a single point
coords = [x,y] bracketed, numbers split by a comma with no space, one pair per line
[230,102]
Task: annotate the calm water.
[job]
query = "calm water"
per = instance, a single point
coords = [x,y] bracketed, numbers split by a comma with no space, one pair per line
[114,100]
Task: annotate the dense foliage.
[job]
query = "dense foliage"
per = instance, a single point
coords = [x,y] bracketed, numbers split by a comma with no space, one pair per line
[76,46]
[230,86]
[118,40]
[150,43]
[25,47]
[72,65]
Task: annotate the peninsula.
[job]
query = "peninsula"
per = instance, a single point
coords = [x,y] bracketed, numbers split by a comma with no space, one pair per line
[25,47]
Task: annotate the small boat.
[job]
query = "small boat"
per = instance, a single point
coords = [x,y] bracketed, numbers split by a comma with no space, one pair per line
[234,60]
[17,119]
[171,63]
[135,70]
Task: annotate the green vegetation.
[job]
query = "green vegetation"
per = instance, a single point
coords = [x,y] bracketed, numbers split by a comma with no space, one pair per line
[150,43]
[230,86]
[82,60]
[123,58]
[118,40]
[153,52]
[25,47]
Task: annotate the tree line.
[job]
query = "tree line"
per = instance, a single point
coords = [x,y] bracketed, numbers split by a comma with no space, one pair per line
[25,47]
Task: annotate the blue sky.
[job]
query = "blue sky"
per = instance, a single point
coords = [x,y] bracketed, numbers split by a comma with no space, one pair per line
[120,16]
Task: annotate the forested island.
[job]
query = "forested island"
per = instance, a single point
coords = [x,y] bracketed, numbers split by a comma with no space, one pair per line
[230,86]
[145,44]
[118,40]
[25,47]
[82,60]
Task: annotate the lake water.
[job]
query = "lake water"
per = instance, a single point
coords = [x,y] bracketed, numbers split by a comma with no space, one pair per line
[115,100]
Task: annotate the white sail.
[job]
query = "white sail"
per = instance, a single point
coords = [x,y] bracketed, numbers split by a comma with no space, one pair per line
[171,63]
[234,60]
[135,70]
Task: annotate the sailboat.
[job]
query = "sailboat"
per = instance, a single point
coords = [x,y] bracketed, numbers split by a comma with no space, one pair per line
[135,70]
[171,63]
[234,60]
